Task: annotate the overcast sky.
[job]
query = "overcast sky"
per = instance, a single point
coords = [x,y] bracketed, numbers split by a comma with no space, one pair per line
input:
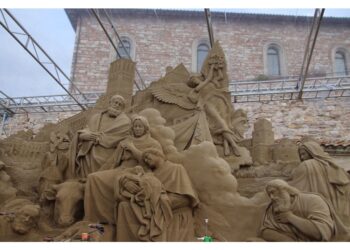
[20,75]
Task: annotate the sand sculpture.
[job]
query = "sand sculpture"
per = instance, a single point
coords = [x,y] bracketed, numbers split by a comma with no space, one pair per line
[293,215]
[320,174]
[170,163]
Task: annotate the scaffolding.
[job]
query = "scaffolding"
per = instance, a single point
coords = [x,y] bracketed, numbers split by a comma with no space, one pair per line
[32,47]
[241,92]
[287,89]
[109,37]
[46,104]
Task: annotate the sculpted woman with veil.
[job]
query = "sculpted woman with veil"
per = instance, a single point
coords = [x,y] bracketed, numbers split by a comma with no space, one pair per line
[99,201]
[319,173]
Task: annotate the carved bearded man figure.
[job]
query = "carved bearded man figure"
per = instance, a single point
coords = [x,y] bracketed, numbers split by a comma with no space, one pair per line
[93,146]
[319,173]
[297,216]
[99,201]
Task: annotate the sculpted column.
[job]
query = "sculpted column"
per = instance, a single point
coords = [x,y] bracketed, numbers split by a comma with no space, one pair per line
[121,79]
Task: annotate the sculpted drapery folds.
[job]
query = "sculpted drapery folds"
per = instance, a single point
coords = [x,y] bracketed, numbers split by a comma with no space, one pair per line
[147,197]
[320,174]
[57,156]
[99,201]
[146,211]
[93,145]
[132,172]
[161,224]
[210,93]
[206,99]
[297,216]
[129,151]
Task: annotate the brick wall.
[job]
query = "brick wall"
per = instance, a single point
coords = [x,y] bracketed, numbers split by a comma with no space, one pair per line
[32,121]
[168,40]
[164,40]
[324,119]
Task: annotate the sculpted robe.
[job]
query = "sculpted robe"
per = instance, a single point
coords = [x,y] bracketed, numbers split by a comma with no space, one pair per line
[99,200]
[141,143]
[86,156]
[176,180]
[312,207]
[180,227]
[146,214]
[321,175]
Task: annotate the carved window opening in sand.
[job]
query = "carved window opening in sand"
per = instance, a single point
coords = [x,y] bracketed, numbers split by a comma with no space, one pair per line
[340,63]
[202,52]
[125,51]
[273,61]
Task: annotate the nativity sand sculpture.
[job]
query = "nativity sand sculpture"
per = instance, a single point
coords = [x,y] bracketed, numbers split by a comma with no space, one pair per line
[170,163]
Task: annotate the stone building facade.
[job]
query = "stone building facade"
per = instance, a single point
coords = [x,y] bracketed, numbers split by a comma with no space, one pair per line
[161,38]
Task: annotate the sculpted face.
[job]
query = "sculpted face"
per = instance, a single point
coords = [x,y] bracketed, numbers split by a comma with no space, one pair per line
[304,155]
[116,106]
[69,198]
[218,61]
[281,200]
[151,160]
[242,127]
[138,128]
[24,221]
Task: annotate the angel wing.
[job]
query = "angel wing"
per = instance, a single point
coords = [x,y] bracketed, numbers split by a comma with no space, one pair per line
[173,93]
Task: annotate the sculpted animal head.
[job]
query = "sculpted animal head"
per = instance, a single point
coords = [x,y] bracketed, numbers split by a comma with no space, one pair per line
[69,201]
[49,177]
[26,218]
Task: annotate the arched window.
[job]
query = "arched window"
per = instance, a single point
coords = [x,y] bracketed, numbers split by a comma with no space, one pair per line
[202,52]
[340,63]
[125,51]
[273,61]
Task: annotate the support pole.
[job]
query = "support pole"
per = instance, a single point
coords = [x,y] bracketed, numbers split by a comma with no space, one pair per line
[209,25]
[309,50]
[4,117]
[35,55]
[109,38]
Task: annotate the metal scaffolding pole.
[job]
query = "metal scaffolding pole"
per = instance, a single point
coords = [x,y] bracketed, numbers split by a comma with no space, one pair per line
[6,102]
[4,118]
[121,42]
[112,42]
[284,89]
[209,25]
[50,103]
[242,92]
[309,48]
[45,60]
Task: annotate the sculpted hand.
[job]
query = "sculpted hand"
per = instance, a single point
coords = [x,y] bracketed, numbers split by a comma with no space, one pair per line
[97,140]
[88,136]
[132,187]
[198,88]
[130,146]
[125,145]
[283,217]
[122,144]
